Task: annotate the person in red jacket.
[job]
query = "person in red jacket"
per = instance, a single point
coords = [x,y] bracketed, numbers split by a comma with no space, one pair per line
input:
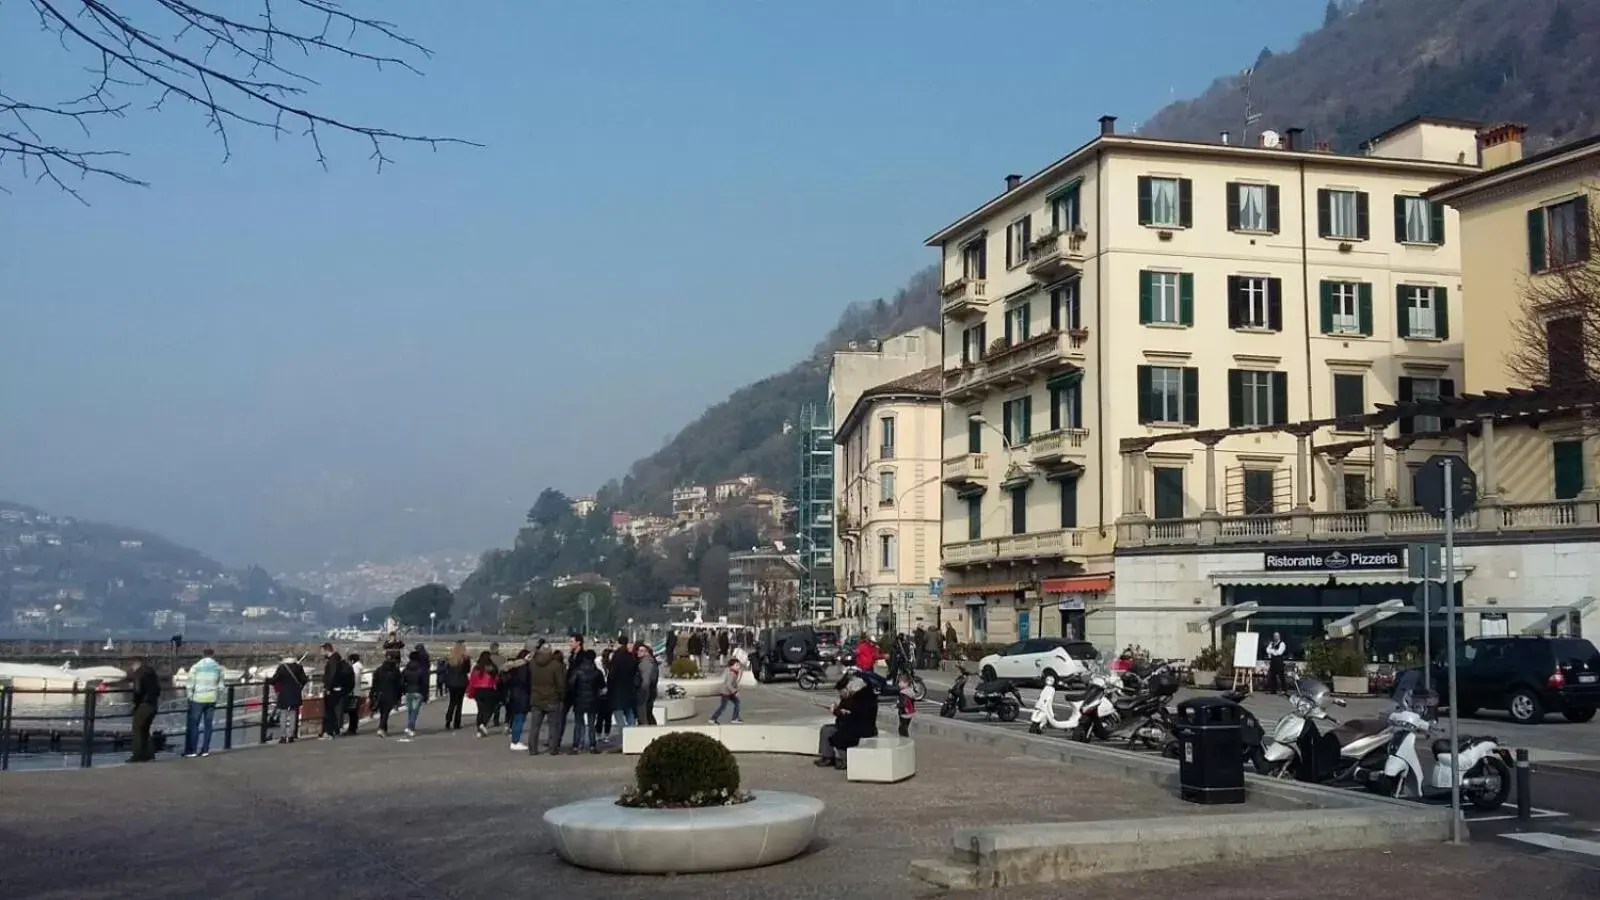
[866,654]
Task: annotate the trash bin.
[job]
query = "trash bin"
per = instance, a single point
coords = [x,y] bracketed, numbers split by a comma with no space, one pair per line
[1210,751]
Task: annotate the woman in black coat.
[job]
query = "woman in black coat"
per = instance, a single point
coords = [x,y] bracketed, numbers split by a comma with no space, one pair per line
[517,684]
[855,717]
[387,689]
[586,686]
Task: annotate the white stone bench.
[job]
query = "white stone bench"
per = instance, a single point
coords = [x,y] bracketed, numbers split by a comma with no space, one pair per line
[672,709]
[801,738]
[881,759]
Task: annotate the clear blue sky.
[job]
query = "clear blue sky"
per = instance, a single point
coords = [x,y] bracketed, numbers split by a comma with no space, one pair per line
[276,363]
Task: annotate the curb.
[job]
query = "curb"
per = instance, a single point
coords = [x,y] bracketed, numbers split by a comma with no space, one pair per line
[1567,771]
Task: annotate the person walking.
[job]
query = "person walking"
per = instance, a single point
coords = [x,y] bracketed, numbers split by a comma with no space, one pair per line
[730,694]
[289,682]
[414,682]
[584,687]
[671,649]
[905,703]
[387,689]
[722,648]
[338,683]
[352,703]
[440,676]
[203,688]
[695,649]
[517,689]
[146,702]
[483,686]
[547,691]
[649,678]
[622,685]
[1276,648]
[574,653]
[602,720]
[500,668]
[453,677]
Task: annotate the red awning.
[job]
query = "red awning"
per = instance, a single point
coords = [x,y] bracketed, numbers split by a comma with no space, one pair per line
[1079,584]
[961,590]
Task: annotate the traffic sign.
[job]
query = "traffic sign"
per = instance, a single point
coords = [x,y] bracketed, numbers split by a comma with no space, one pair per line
[586,601]
[1428,485]
[936,586]
[1430,596]
[1423,560]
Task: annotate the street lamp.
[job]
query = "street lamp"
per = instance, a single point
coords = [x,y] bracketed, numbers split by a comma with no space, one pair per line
[57,620]
[432,617]
[630,629]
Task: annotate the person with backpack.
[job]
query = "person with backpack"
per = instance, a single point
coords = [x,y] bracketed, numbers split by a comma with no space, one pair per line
[289,682]
[517,690]
[338,684]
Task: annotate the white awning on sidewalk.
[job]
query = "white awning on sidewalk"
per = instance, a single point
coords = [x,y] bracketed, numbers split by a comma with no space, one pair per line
[1365,617]
[1230,614]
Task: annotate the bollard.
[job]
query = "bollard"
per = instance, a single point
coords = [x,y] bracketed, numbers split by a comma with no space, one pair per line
[227,722]
[1524,786]
[6,693]
[266,689]
[86,754]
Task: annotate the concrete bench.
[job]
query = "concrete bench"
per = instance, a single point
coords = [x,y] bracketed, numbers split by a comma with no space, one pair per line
[801,738]
[884,760]
[672,709]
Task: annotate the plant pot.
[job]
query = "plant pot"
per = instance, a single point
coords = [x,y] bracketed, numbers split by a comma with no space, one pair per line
[1205,679]
[1350,684]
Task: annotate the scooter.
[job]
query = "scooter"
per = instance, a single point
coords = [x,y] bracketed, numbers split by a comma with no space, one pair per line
[812,672]
[1484,766]
[1148,708]
[888,689]
[998,698]
[1044,712]
[1097,712]
[1297,749]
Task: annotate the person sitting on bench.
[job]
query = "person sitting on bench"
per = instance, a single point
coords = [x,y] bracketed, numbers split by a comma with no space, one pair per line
[855,718]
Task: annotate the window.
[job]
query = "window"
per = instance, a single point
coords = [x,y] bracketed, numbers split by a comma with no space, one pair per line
[1166,298]
[1165,202]
[1255,302]
[1017,324]
[886,428]
[1257,398]
[1016,420]
[1418,220]
[1342,215]
[1065,312]
[1018,234]
[1253,207]
[1422,312]
[1566,459]
[886,554]
[1069,502]
[1258,492]
[978,616]
[1066,405]
[1419,390]
[974,436]
[1169,395]
[974,518]
[975,259]
[1564,346]
[1349,395]
[1169,492]
[1558,234]
[972,343]
[886,487]
[1019,510]
[1355,491]
[1064,215]
[1346,308]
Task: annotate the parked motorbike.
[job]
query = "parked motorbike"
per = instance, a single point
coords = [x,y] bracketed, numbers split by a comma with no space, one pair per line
[1484,766]
[998,698]
[1298,749]
[1147,708]
[888,688]
[1044,712]
[812,673]
[1098,715]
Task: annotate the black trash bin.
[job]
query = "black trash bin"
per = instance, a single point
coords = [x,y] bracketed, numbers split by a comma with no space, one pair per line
[1210,751]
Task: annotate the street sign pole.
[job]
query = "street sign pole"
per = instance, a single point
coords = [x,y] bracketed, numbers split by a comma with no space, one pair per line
[1450,640]
[1427,625]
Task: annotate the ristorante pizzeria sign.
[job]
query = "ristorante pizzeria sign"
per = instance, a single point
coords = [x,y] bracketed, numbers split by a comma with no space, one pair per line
[1334,560]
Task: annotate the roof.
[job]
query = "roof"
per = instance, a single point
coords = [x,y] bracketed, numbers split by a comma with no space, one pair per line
[928,384]
[1471,184]
[1425,120]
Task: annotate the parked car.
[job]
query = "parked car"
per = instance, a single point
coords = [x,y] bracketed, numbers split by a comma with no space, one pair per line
[780,651]
[1031,660]
[827,645]
[1528,676]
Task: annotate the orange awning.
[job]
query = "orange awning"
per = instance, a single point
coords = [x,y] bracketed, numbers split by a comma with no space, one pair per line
[1079,584]
[963,590]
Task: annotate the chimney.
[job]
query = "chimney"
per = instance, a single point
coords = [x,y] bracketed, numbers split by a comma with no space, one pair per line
[1012,181]
[1108,125]
[1291,138]
[1500,145]
[1224,138]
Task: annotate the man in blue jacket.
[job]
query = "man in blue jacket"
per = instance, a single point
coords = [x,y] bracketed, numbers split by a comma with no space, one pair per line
[204,688]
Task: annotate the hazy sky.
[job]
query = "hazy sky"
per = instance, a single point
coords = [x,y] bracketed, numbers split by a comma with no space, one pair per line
[276,363]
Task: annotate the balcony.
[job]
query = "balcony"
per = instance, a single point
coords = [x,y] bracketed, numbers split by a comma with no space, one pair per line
[1063,543]
[965,298]
[1006,367]
[1060,448]
[1056,256]
[967,470]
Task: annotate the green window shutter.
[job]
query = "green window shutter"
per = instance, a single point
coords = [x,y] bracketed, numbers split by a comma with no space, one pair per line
[1275,304]
[1364,307]
[1402,312]
[1235,398]
[974,437]
[1441,313]
[1235,308]
[1363,220]
[1146,400]
[1566,459]
[1005,421]
[975,518]
[1447,388]
[1536,240]
[1280,398]
[1055,409]
[1026,431]
[1582,235]
[1069,503]
[1010,337]
[1436,214]
[1324,212]
[1191,396]
[1185,203]
[1146,297]
[1144,200]
[1027,320]
[1075,420]
[1186,298]
[1055,310]
[1272,209]
[1399,218]
[1325,289]
[1233,206]
[1407,425]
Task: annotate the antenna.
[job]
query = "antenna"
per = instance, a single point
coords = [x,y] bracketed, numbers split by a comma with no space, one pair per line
[1250,115]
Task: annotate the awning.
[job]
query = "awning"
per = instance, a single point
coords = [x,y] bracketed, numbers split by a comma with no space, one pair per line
[976,600]
[1555,614]
[1078,584]
[1230,614]
[1320,578]
[1366,617]
[963,590]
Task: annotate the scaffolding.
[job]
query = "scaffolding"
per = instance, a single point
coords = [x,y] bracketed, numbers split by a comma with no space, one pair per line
[814,510]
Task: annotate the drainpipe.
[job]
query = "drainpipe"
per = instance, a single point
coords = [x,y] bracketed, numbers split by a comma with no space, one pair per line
[1099,325]
[1305,309]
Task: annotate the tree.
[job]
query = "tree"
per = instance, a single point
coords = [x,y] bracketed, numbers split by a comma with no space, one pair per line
[714,580]
[551,509]
[233,68]
[1332,13]
[1556,331]
[413,607]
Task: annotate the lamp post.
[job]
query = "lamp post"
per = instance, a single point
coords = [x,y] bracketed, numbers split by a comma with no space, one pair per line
[630,629]
[56,621]
[433,617]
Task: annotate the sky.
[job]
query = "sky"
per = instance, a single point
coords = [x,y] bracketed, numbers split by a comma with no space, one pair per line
[283,364]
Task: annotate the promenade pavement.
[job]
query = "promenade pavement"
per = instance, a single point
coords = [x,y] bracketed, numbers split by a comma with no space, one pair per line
[454,816]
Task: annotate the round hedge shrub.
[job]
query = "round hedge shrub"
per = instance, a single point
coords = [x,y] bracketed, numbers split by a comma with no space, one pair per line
[684,667]
[685,770]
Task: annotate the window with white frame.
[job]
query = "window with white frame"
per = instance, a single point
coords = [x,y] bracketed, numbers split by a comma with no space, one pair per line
[1346,298]
[1422,390]
[1164,298]
[1422,314]
[1344,215]
[974,260]
[1166,392]
[1256,394]
[1019,323]
[1252,207]
[886,487]
[1064,211]
[886,429]
[1018,234]
[1164,202]
[972,343]
[1253,302]
[1418,214]
[886,553]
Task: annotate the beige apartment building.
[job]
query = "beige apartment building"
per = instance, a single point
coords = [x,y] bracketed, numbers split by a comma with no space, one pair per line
[1140,287]
[889,446]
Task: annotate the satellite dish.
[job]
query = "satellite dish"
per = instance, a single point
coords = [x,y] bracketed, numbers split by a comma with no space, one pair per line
[1271,140]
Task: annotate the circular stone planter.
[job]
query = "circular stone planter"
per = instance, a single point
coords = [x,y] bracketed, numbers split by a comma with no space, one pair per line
[703,687]
[599,834]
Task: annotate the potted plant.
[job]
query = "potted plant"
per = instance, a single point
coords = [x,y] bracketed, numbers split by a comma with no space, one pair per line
[1205,666]
[998,345]
[1339,663]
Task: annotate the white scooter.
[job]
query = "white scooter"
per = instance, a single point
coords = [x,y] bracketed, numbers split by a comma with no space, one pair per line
[1295,741]
[1097,714]
[1044,712]
[1484,765]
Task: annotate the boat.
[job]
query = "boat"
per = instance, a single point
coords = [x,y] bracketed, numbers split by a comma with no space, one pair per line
[35,677]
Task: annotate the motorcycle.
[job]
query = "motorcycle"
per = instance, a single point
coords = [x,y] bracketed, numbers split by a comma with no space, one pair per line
[888,688]
[998,698]
[1484,766]
[1097,713]
[1297,749]
[1148,707]
[812,672]
[1044,712]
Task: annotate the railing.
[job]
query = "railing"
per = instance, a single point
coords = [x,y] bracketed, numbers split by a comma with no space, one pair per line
[1061,442]
[1033,545]
[966,467]
[1016,361]
[964,290]
[1051,254]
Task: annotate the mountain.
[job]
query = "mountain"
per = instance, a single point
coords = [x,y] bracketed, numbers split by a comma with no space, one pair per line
[1380,62]
[110,578]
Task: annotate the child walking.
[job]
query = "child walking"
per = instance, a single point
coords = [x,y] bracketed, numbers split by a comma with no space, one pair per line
[730,693]
[905,704]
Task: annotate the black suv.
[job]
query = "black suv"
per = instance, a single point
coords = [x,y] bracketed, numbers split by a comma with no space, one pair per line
[780,651]
[1528,676]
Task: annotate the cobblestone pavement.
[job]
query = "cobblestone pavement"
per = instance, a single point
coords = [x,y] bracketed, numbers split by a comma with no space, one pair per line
[454,816]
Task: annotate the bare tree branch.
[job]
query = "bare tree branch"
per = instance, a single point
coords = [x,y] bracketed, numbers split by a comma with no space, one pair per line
[1556,331]
[227,67]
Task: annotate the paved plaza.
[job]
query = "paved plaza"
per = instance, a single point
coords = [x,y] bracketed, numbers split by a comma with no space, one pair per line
[457,816]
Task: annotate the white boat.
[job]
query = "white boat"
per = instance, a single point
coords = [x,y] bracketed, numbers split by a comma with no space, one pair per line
[34,677]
